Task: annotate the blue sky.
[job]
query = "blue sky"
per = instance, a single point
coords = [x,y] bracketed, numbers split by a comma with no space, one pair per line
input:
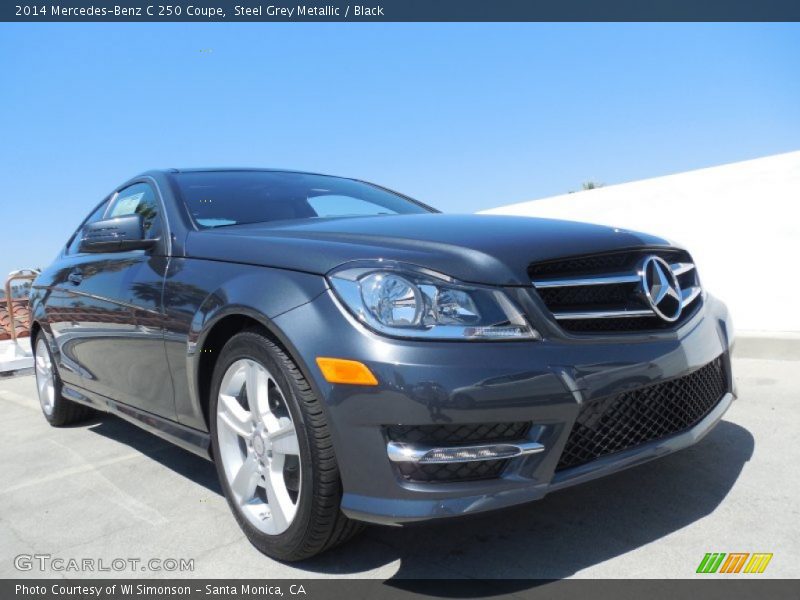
[462,116]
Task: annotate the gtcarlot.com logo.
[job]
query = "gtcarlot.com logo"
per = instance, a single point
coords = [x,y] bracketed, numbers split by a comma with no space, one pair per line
[48,562]
[734,562]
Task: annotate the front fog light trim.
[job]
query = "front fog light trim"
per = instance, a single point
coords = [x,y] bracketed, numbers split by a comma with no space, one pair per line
[429,455]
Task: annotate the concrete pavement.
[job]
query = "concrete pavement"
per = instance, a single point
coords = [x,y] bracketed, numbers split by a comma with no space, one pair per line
[108,490]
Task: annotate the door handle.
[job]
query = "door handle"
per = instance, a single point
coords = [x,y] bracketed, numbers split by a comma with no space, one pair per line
[76,276]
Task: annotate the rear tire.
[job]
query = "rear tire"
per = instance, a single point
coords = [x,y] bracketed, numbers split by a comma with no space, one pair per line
[273,451]
[58,411]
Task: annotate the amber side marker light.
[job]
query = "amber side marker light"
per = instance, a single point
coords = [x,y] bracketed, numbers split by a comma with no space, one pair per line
[340,370]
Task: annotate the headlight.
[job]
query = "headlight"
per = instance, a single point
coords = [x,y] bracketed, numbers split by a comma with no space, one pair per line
[410,302]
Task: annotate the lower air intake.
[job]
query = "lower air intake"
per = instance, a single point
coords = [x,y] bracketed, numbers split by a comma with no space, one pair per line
[448,473]
[650,413]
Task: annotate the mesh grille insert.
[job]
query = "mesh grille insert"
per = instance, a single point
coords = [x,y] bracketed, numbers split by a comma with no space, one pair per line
[616,423]
[598,264]
[457,434]
[448,473]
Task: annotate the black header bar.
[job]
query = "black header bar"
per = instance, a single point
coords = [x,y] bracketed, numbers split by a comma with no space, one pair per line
[399,10]
[401,589]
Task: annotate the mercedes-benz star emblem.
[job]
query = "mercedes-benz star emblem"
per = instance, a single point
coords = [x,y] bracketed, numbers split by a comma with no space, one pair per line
[661,288]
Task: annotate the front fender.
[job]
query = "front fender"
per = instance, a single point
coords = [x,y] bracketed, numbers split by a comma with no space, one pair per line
[199,295]
[256,292]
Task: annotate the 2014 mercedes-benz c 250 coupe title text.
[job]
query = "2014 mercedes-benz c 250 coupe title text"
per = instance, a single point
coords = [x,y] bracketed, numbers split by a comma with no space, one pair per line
[346,354]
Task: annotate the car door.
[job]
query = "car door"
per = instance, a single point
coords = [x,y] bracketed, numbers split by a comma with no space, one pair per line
[118,337]
[65,310]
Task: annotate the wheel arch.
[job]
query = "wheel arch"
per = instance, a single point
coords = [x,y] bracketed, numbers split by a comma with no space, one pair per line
[222,329]
[38,318]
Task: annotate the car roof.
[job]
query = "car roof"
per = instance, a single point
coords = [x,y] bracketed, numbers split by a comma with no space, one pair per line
[234,169]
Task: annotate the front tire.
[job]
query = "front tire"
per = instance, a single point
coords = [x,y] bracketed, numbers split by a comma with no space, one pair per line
[58,411]
[273,451]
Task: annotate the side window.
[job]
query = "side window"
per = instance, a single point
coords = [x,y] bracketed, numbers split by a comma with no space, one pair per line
[139,199]
[75,240]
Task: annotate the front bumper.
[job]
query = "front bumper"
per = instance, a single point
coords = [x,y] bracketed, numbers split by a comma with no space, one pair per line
[544,383]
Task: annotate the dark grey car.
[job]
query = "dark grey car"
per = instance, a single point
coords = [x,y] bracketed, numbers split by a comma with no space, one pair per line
[346,354]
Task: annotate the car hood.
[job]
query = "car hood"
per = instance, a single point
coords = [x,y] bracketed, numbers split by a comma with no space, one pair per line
[487,249]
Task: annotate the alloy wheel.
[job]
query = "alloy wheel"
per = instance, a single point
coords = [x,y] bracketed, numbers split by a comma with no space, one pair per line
[258,446]
[45,379]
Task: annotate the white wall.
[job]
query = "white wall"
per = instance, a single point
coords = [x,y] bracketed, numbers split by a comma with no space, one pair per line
[740,221]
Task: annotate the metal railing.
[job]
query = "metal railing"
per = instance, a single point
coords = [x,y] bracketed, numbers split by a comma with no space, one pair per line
[21,274]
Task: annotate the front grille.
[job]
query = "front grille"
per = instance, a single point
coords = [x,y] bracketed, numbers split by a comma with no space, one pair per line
[599,264]
[626,420]
[453,436]
[636,325]
[587,295]
[602,293]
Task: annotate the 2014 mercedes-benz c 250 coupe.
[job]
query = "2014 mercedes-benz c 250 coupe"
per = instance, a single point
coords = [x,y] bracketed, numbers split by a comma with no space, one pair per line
[345,354]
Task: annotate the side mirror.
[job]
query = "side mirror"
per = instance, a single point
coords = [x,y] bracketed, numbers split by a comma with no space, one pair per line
[115,235]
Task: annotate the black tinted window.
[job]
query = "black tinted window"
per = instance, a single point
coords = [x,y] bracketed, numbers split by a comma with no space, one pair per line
[75,240]
[218,198]
[138,199]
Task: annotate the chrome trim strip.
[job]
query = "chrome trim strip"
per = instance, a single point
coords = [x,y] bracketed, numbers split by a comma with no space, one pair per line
[107,299]
[688,295]
[676,268]
[681,268]
[595,280]
[604,314]
[399,452]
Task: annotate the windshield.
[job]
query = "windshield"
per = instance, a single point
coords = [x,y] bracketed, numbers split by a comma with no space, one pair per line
[220,198]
